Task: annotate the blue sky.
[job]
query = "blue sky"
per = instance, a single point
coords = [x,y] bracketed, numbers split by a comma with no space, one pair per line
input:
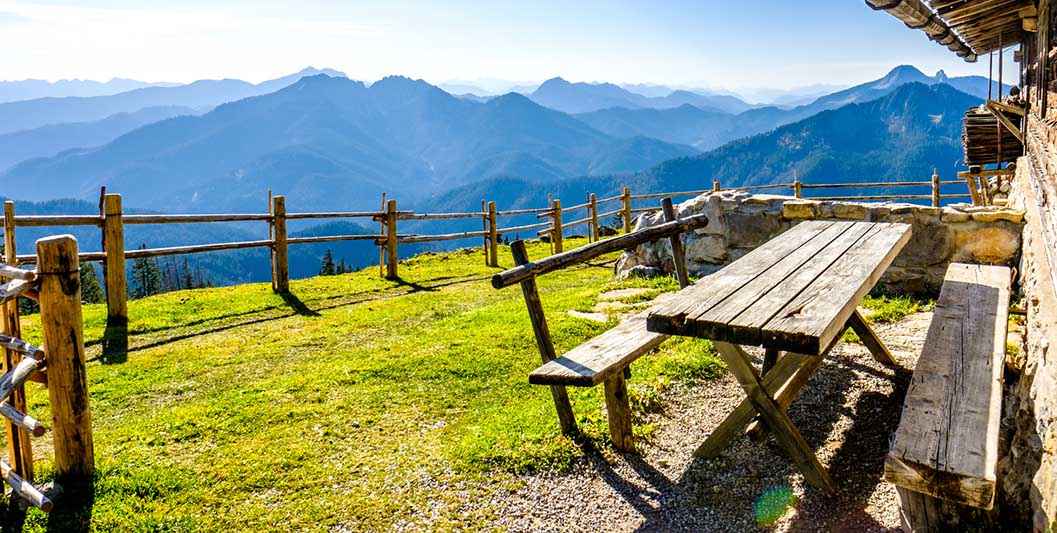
[716,44]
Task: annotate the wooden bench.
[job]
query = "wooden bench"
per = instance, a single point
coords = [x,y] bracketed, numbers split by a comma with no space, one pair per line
[945,451]
[607,357]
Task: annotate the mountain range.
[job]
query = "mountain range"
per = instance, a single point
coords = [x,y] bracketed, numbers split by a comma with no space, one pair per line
[13,91]
[559,94]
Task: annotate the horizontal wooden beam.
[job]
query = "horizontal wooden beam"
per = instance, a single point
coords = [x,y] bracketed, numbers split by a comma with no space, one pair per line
[25,489]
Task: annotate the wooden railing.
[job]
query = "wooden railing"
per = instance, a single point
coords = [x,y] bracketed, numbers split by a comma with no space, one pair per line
[60,364]
[552,223]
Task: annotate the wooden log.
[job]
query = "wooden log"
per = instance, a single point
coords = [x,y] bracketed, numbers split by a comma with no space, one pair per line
[525,227]
[859,185]
[611,213]
[493,237]
[676,241]
[611,199]
[566,418]
[583,253]
[19,447]
[190,219]
[114,274]
[24,489]
[17,376]
[390,241]
[715,185]
[556,226]
[196,248]
[438,216]
[404,239]
[60,321]
[484,228]
[618,410]
[16,344]
[13,289]
[327,238]
[57,220]
[513,212]
[797,186]
[653,195]
[22,420]
[282,256]
[271,237]
[13,272]
[339,214]
[935,189]
[626,199]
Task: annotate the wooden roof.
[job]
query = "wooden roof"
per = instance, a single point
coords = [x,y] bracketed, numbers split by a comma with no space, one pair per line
[985,24]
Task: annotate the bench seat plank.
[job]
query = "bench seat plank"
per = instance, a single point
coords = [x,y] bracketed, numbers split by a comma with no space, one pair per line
[947,442]
[599,358]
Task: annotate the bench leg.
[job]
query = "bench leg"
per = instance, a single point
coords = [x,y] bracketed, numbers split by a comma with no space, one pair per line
[869,339]
[736,421]
[566,418]
[619,410]
[784,430]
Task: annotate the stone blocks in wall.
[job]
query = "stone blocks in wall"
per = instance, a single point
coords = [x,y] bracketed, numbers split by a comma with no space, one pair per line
[739,222]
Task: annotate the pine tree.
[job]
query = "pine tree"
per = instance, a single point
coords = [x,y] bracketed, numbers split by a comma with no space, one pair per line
[91,291]
[146,279]
[327,267]
[188,276]
[342,267]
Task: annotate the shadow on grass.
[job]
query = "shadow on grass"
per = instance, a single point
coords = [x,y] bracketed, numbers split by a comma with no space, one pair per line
[297,305]
[115,343]
[73,510]
[12,517]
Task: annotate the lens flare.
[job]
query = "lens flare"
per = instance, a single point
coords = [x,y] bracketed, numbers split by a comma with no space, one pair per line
[773,504]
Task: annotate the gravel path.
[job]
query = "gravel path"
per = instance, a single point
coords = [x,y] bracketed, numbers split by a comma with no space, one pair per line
[847,413]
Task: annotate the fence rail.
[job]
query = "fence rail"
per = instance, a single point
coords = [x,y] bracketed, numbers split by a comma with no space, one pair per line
[112,221]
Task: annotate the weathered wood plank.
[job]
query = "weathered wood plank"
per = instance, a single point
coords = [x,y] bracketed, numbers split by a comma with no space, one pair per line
[618,409]
[813,319]
[784,430]
[869,339]
[741,318]
[947,442]
[600,358]
[566,418]
[671,317]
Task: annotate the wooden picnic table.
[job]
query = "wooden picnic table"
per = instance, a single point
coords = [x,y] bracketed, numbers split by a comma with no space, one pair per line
[796,293]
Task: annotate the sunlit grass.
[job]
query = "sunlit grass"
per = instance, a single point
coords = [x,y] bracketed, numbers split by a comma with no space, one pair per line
[358,403]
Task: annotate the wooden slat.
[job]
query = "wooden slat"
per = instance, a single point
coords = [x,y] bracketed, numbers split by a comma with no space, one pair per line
[741,318]
[671,316]
[17,376]
[13,289]
[601,357]
[947,442]
[25,489]
[13,272]
[20,346]
[812,320]
[21,419]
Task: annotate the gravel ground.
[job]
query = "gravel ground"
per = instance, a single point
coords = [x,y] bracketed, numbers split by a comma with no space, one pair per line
[847,413]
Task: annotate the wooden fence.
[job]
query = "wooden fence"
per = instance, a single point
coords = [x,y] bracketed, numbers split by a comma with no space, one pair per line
[60,365]
[551,224]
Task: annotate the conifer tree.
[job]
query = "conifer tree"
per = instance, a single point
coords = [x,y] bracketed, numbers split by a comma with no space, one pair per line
[327,267]
[146,279]
[91,291]
[188,277]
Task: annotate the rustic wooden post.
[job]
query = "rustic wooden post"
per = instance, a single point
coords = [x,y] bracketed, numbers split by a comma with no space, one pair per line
[493,236]
[282,260]
[19,447]
[556,226]
[625,198]
[271,237]
[114,265]
[935,188]
[594,217]
[676,240]
[60,321]
[796,186]
[390,240]
[484,230]
[566,418]
[715,185]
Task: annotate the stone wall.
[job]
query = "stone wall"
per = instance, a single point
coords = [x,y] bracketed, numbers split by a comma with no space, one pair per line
[739,222]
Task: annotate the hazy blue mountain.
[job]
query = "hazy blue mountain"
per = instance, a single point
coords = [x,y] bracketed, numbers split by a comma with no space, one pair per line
[202,94]
[899,137]
[13,91]
[559,94]
[685,124]
[47,141]
[332,143]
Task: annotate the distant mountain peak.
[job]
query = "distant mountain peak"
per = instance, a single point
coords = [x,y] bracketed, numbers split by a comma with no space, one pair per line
[941,76]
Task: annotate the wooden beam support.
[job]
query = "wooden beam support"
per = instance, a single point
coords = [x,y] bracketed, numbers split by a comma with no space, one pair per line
[869,339]
[618,409]
[114,275]
[1002,119]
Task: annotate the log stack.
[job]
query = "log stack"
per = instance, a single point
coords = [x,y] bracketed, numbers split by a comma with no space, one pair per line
[980,138]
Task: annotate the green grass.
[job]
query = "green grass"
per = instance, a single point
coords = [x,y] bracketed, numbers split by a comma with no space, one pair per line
[887,309]
[360,402]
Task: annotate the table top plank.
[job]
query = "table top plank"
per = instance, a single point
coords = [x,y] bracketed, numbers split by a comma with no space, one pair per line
[814,318]
[776,287]
[670,316]
[747,322]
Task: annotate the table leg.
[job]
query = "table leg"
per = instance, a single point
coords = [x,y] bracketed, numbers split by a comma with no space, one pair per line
[784,430]
[785,396]
[736,421]
[869,339]
[770,357]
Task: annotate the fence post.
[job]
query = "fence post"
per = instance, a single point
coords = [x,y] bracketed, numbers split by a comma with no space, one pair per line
[796,186]
[282,262]
[61,325]
[271,237]
[114,266]
[493,236]
[556,226]
[390,240]
[626,199]
[715,185]
[484,229]
[935,188]
[593,200]
[19,447]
